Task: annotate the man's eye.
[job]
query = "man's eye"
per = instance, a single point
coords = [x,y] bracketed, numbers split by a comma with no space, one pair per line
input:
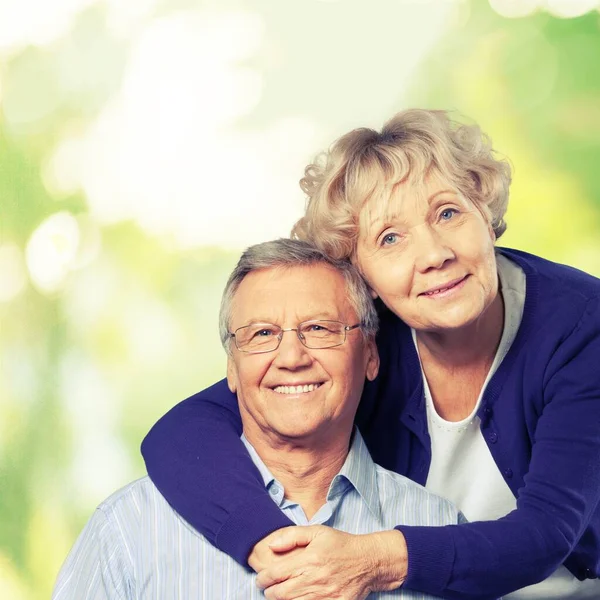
[263,333]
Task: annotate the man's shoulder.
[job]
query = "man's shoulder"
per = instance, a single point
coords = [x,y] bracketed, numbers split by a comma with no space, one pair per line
[405,502]
[134,501]
[141,488]
[140,513]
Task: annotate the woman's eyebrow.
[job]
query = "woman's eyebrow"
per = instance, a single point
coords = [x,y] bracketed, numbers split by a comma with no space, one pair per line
[387,218]
[439,193]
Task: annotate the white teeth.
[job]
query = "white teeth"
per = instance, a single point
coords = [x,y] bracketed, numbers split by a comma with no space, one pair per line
[434,292]
[296,389]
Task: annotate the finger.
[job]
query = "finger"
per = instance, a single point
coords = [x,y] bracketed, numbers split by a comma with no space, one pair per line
[298,588]
[279,572]
[270,577]
[293,537]
[292,589]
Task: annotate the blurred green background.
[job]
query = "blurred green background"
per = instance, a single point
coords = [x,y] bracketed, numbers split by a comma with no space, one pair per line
[144,143]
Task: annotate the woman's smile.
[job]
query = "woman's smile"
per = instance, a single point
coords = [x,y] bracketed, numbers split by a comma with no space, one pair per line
[445,290]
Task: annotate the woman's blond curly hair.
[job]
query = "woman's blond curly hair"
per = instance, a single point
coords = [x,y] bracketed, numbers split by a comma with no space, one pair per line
[365,163]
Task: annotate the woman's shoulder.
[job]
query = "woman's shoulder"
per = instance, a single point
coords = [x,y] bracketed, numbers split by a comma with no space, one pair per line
[558,279]
[559,301]
[555,293]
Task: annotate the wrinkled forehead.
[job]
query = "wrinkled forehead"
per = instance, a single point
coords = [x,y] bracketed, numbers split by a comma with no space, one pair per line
[396,201]
[297,292]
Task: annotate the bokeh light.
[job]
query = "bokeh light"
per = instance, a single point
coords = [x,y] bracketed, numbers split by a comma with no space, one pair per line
[569,9]
[14,274]
[564,9]
[52,250]
[24,22]
[515,8]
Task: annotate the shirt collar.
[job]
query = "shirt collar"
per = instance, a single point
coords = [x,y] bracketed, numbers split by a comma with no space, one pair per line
[358,471]
[266,475]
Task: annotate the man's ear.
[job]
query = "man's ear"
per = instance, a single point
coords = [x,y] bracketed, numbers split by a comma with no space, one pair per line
[372,359]
[231,375]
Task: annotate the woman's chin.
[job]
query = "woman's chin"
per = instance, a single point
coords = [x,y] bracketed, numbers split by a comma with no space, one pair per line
[456,319]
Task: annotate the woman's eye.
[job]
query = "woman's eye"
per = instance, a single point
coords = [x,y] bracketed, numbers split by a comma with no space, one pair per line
[447,214]
[389,239]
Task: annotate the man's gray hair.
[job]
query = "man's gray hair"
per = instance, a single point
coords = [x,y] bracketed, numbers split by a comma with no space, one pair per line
[286,252]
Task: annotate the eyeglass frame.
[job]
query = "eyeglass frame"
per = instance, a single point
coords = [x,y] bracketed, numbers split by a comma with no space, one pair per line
[301,338]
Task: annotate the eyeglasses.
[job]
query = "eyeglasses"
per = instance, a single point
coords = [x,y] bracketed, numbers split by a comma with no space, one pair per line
[257,338]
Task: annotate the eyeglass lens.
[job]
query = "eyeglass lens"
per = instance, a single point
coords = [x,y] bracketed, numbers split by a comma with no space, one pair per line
[262,337]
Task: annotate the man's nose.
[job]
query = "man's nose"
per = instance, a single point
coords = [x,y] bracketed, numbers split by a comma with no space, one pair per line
[431,248]
[292,353]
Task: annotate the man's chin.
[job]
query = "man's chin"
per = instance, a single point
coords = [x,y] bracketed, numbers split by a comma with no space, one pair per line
[299,433]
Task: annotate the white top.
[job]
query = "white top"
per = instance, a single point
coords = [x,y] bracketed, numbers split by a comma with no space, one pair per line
[462,467]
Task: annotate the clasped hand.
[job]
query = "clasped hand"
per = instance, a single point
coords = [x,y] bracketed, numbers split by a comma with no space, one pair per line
[318,562]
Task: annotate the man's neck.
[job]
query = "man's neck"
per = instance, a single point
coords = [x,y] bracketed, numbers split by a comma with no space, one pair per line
[304,469]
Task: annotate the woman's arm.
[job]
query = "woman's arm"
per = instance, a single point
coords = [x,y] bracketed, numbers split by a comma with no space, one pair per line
[558,502]
[196,459]
[555,507]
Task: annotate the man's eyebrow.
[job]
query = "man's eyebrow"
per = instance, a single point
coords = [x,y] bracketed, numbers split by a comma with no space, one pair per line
[318,316]
[322,316]
[257,322]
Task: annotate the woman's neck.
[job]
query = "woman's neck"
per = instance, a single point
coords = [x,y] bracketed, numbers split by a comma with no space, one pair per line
[469,346]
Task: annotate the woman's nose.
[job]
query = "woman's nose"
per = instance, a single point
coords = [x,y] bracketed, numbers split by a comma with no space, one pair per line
[431,249]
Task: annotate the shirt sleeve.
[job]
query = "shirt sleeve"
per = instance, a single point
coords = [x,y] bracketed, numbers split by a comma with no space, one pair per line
[554,508]
[97,567]
[196,459]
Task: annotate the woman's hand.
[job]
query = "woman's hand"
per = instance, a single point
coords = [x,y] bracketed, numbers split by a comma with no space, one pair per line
[319,562]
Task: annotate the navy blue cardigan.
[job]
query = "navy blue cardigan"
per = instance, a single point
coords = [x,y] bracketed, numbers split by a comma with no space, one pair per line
[540,416]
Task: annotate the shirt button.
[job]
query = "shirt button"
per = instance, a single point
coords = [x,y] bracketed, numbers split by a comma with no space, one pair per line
[493,437]
[508,473]
[274,490]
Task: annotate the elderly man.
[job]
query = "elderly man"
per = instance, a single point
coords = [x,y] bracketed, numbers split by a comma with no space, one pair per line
[299,332]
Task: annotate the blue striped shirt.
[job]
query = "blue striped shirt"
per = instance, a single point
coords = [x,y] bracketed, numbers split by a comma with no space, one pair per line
[136,546]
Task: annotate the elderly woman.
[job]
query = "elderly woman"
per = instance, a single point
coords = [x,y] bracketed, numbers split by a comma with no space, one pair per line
[488,392]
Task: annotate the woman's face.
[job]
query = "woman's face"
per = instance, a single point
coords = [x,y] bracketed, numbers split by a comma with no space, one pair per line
[428,253]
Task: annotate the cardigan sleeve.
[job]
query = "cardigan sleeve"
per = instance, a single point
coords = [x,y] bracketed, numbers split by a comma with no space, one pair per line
[196,459]
[554,508]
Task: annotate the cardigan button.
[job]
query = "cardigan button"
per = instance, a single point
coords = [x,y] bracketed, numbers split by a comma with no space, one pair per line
[487,411]
[508,473]
[493,437]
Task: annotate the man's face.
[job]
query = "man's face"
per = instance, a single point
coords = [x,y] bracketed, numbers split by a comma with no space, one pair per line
[267,384]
